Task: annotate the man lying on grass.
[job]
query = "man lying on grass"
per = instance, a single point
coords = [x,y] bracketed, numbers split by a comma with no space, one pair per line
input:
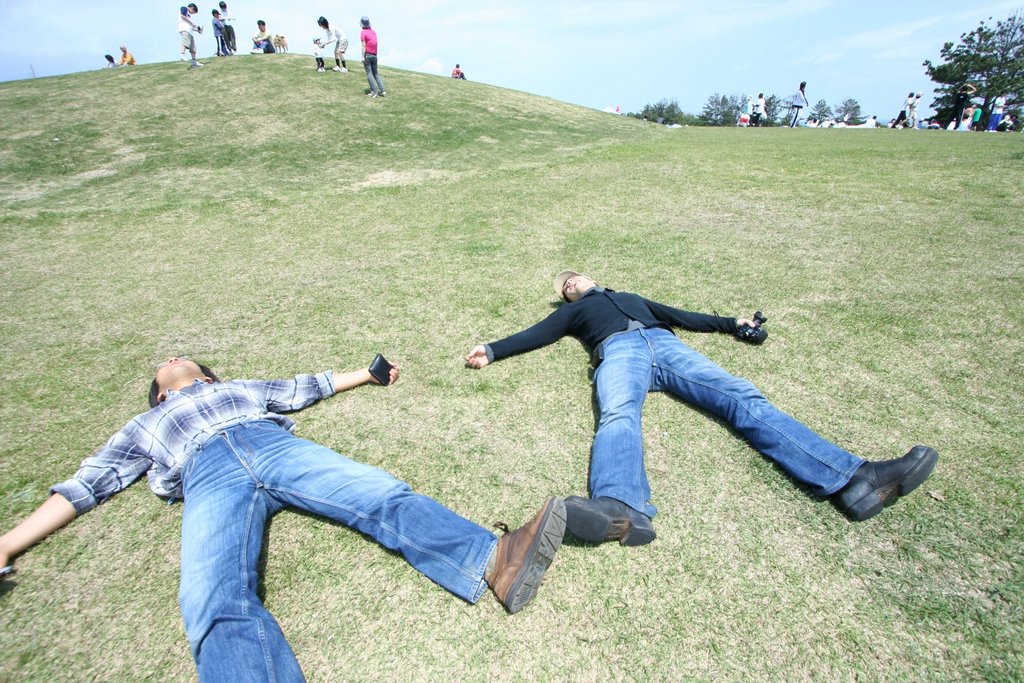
[636,352]
[228,452]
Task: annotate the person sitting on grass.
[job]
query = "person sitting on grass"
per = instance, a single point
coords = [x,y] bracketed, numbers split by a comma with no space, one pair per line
[262,41]
[457,73]
[635,352]
[226,449]
[127,59]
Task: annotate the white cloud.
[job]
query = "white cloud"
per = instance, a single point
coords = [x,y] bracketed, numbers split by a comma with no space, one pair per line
[431,66]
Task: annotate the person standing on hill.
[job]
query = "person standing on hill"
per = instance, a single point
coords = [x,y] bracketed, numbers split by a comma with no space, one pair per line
[798,102]
[229,30]
[340,46]
[759,108]
[997,113]
[960,100]
[226,449]
[635,352]
[218,35]
[904,114]
[368,38]
[186,25]
[912,120]
[337,36]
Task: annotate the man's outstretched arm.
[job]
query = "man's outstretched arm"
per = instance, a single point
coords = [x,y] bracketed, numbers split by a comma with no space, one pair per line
[349,380]
[48,517]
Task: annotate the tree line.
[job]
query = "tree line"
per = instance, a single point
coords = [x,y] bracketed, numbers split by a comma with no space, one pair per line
[991,58]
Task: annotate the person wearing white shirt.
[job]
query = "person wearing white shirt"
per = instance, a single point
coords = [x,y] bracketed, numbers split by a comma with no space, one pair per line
[759,109]
[997,114]
[185,27]
[229,30]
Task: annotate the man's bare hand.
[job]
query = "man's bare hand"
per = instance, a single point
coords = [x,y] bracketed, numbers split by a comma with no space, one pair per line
[477,358]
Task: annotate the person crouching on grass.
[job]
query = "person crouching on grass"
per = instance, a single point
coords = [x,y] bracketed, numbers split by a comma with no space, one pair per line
[227,450]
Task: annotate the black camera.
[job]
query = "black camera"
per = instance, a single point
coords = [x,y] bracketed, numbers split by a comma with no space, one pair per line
[756,334]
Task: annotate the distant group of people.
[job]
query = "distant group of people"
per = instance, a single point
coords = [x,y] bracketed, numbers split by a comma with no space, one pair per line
[966,117]
[263,42]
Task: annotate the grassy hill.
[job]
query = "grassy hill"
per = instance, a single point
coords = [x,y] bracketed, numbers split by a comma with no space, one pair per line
[270,220]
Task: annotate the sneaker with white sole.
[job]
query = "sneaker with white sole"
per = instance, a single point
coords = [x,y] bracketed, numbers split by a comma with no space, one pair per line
[194,65]
[320,70]
[337,68]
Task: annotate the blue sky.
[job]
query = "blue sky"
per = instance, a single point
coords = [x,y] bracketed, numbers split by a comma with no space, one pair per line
[596,53]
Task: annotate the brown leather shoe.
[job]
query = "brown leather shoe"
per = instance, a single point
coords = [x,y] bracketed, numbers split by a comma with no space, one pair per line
[522,556]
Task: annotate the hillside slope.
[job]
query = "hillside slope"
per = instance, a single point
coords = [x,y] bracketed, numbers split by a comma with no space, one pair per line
[269,220]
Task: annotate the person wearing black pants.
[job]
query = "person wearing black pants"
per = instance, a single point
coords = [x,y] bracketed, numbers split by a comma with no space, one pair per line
[799,102]
[963,96]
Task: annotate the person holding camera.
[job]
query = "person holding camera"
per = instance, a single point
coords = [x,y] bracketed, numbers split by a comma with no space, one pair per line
[227,450]
[185,28]
[634,352]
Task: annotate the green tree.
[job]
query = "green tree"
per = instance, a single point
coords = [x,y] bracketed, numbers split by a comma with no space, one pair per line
[990,57]
[773,108]
[722,110]
[821,110]
[666,110]
[849,111]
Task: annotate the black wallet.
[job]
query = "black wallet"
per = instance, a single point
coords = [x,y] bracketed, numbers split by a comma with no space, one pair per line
[380,368]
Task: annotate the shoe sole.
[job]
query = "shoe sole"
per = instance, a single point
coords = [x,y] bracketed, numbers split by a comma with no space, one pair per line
[597,527]
[868,502]
[542,551]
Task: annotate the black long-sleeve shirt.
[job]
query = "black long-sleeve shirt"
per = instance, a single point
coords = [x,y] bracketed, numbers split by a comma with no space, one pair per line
[600,313]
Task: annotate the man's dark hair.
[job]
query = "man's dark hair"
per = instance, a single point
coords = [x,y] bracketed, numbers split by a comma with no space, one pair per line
[322,22]
[154,388]
[260,22]
[194,6]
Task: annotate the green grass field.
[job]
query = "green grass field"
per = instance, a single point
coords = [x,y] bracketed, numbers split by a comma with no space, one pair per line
[270,220]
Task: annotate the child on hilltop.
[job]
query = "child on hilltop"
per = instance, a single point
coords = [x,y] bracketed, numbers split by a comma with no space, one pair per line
[229,30]
[327,37]
[186,26]
[218,34]
[340,40]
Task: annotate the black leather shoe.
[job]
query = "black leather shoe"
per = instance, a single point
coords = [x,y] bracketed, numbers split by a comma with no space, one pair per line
[878,484]
[606,519]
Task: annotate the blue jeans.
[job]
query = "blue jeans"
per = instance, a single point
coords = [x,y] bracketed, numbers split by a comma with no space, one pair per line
[656,360]
[237,482]
[370,65]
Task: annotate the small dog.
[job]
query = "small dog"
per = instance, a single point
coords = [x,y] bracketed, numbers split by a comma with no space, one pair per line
[280,43]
